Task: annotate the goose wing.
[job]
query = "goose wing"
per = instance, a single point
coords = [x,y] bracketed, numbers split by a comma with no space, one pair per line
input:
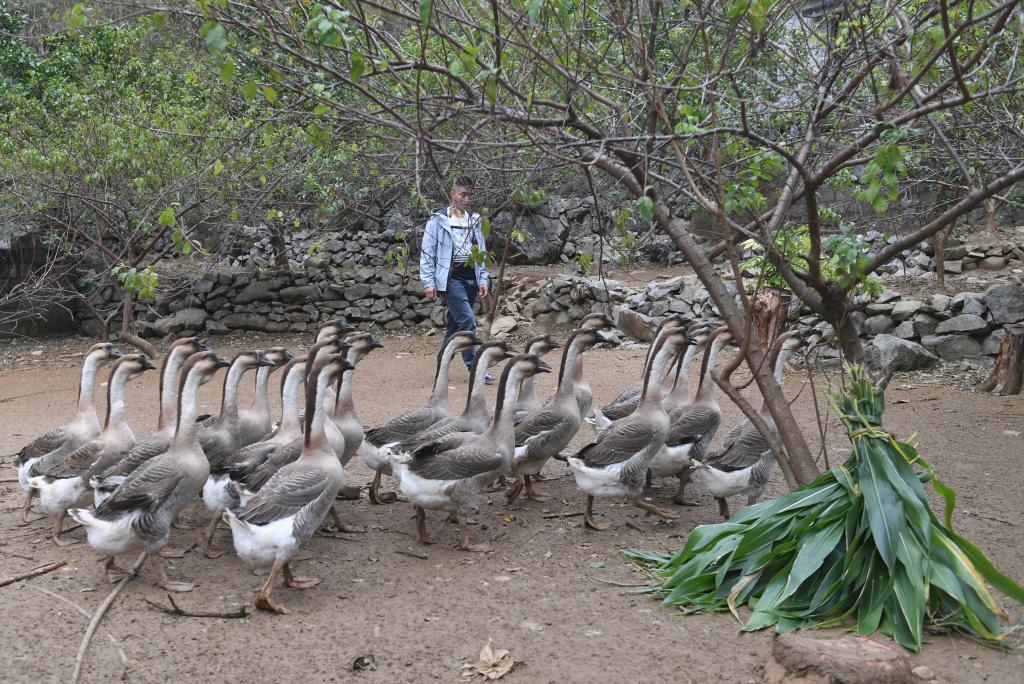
[51,440]
[286,494]
[629,395]
[468,460]
[149,448]
[78,462]
[693,425]
[259,475]
[619,443]
[249,457]
[742,451]
[619,410]
[401,427]
[146,488]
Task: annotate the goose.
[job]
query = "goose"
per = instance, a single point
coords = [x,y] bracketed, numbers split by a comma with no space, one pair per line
[107,480]
[475,417]
[257,476]
[624,404]
[254,423]
[344,413]
[451,479]
[693,424]
[247,459]
[615,464]
[54,445]
[406,424]
[61,486]
[581,388]
[140,511]
[333,327]
[744,461]
[288,510]
[527,401]
[547,430]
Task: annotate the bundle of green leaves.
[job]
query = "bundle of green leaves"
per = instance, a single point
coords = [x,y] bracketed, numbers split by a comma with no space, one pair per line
[860,544]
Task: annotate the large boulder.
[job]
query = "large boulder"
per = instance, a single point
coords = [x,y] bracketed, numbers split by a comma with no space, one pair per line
[1006,303]
[259,291]
[186,319]
[547,235]
[636,325]
[969,324]
[245,321]
[876,325]
[952,347]
[890,353]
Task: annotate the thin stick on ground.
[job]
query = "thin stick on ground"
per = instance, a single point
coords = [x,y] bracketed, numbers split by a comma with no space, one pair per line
[34,572]
[98,615]
[412,554]
[175,609]
[88,616]
[567,514]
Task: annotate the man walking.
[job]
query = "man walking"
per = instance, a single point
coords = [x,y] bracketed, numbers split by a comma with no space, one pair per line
[445,267]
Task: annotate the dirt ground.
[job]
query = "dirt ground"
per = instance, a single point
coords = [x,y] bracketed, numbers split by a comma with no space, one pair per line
[558,596]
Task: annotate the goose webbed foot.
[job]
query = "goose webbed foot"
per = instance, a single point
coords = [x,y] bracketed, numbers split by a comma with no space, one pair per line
[723,508]
[588,517]
[656,510]
[341,526]
[166,583]
[349,493]
[679,499]
[179,525]
[464,538]
[512,493]
[376,497]
[299,581]
[561,457]
[532,495]
[114,573]
[263,600]
[421,527]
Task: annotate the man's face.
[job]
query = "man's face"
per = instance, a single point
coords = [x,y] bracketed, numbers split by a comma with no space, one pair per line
[461,197]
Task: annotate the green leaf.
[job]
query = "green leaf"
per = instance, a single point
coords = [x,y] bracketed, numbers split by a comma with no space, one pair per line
[534,8]
[646,206]
[358,67]
[270,94]
[882,505]
[249,90]
[815,547]
[215,36]
[166,217]
[218,167]
[227,71]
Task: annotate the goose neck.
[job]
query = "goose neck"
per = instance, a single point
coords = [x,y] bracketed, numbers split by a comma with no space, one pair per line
[572,361]
[262,400]
[316,435]
[188,408]
[229,403]
[682,382]
[504,410]
[655,373]
[169,386]
[87,384]
[115,396]
[439,395]
[343,401]
[706,389]
[289,400]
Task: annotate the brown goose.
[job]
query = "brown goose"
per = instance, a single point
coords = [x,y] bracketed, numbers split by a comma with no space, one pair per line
[63,485]
[108,479]
[693,424]
[271,528]
[334,327]
[549,429]
[344,415]
[624,404]
[581,388]
[140,511]
[54,445]
[475,417]
[254,423]
[405,425]
[616,463]
[451,479]
[527,400]
[744,461]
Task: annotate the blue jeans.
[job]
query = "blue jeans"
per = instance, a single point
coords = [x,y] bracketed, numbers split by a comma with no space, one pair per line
[460,298]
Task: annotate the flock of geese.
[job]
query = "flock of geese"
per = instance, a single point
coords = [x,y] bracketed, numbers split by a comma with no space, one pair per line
[275,485]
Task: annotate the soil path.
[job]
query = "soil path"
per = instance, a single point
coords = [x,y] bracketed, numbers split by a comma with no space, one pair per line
[551,592]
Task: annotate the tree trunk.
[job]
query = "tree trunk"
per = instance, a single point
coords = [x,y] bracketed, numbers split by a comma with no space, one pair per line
[499,284]
[128,336]
[939,245]
[771,309]
[280,249]
[1008,375]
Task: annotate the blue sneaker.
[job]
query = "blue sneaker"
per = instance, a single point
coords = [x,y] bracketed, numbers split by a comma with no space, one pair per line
[489,378]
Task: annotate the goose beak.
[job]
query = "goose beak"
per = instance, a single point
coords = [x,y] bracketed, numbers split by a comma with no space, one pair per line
[219,362]
[346,366]
[599,337]
[474,340]
[262,361]
[375,343]
[200,345]
[543,367]
[115,353]
[286,356]
[555,344]
[146,365]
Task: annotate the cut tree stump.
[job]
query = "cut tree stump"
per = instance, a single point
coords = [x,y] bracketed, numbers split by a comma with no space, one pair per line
[1008,375]
[771,309]
[800,658]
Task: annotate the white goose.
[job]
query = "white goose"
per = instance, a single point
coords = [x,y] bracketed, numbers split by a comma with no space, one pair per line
[254,423]
[271,528]
[140,511]
[54,445]
[616,463]
[63,485]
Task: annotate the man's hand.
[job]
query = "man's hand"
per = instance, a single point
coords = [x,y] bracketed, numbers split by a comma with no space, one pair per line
[430,293]
[483,291]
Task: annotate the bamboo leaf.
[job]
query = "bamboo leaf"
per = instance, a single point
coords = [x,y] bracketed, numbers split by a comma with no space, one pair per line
[811,555]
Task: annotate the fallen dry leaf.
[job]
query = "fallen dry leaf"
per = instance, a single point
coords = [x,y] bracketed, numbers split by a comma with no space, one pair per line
[494,663]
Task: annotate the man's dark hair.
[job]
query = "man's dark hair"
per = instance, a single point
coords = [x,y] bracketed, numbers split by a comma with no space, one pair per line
[463,182]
